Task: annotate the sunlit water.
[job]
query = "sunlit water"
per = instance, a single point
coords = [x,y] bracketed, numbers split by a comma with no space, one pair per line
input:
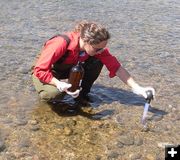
[145,37]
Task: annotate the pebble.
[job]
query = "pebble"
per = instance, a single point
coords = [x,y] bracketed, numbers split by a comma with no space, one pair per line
[150,157]
[2,146]
[126,140]
[138,141]
[9,156]
[71,123]
[21,122]
[23,70]
[135,156]
[157,117]
[119,145]
[34,128]
[24,142]
[98,157]
[67,131]
[163,144]
[33,122]
[59,126]
[113,155]
[145,129]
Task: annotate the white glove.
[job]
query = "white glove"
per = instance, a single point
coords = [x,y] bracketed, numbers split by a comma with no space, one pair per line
[142,90]
[74,94]
[63,86]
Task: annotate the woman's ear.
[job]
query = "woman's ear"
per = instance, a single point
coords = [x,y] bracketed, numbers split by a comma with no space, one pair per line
[81,43]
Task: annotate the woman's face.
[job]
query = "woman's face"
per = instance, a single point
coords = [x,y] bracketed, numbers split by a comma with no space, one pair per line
[94,49]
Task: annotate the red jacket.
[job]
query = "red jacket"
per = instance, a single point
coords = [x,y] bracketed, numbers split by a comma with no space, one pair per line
[56,47]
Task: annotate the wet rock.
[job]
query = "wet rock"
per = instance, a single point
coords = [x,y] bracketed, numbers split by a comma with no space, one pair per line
[150,157]
[145,129]
[157,117]
[135,156]
[120,145]
[120,120]
[157,129]
[23,70]
[21,122]
[34,128]
[24,142]
[33,122]
[59,126]
[174,109]
[9,156]
[126,140]
[113,155]
[32,89]
[67,131]
[167,127]
[98,157]
[163,144]
[138,141]
[70,123]
[177,117]
[4,133]
[2,64]
[7,120]
[2,145]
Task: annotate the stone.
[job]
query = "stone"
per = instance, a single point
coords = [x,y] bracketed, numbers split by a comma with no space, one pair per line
[33,122]
[21,122]
[113,155]
[34,128]
[157,118]
[67,131]
[126,140]
[2,146]
[138,141]
[24,142]
[150,157]
[135,156]
[120,145]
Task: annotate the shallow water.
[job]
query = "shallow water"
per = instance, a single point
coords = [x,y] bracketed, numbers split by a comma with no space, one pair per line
[145,38]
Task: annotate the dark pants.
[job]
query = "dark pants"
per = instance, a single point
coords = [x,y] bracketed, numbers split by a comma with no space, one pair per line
[92,68]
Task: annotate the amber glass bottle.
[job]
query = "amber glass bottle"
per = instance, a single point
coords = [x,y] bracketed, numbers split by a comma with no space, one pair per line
[75,77]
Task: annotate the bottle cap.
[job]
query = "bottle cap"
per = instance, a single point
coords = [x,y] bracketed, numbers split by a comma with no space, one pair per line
[149,96]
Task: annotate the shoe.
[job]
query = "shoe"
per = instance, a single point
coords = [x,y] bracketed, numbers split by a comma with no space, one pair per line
[82,100]
[86,98]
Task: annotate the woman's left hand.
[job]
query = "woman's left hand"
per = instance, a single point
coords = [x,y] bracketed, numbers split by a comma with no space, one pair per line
[142,91]
[74,94]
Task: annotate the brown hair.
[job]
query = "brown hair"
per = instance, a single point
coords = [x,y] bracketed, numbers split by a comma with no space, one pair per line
[92,32]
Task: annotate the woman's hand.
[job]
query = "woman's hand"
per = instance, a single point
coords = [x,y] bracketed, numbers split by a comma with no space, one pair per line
[63,87]
[142,90]
[74,94]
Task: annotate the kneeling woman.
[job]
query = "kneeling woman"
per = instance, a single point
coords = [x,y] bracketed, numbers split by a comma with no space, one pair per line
[86,43]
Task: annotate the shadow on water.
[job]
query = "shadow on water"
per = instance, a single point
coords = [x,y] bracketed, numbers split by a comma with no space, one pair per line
[64,110]
[101,95]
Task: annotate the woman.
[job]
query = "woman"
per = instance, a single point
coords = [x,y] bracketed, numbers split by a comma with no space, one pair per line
[86,43]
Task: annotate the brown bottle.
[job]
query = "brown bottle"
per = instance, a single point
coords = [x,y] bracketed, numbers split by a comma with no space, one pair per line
[75,77]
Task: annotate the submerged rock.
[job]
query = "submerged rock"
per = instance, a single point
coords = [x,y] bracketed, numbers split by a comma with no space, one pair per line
[2,145]
[126,140]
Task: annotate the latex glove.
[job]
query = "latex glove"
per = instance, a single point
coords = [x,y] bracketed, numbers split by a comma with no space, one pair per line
[63,86]
[74,94]
[142,91]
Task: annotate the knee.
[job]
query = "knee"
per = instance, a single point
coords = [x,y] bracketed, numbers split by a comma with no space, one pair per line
[48,96]
[93,64]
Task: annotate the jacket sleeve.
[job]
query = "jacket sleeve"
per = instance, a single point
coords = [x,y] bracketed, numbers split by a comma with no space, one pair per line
[51,52]
[111,63]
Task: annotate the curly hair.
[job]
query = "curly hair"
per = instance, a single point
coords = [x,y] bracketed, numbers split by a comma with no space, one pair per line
[91,32]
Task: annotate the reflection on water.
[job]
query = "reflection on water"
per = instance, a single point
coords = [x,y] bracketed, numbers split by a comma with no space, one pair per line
[145,38]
